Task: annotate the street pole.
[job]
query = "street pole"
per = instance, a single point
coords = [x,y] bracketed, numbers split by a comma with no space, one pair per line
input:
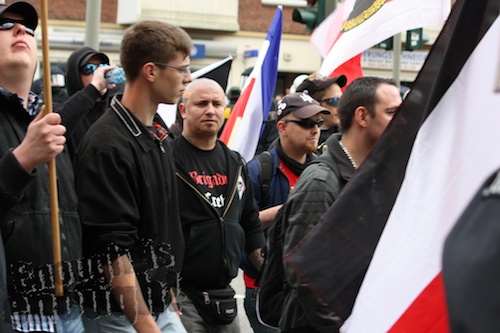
[93,23]
[396,59]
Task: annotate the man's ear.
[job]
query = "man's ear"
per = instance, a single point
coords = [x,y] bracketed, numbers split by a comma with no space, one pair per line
[182,110]
[149,71]
[281,128]
[361,116]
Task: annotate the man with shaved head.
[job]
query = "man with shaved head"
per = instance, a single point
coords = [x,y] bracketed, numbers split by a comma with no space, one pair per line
[218,213]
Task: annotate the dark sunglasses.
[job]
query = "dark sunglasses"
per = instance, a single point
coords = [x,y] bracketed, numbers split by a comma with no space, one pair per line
[334,101]
[7,24]
[305,123]
[90,68]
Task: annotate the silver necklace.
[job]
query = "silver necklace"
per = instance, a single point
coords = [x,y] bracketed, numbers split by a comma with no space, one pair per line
[348,155]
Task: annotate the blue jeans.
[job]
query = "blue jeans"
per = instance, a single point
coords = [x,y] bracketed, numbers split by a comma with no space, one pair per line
[70,322]
[251,311]
[168,321]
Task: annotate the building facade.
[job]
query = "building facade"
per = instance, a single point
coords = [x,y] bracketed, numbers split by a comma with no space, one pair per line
[218,27]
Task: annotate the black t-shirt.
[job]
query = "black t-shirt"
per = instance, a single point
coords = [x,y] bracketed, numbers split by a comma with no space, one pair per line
[208,170]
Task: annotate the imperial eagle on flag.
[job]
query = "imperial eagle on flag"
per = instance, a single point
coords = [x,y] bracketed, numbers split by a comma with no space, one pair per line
[371,21]
[375,256]
[244,126]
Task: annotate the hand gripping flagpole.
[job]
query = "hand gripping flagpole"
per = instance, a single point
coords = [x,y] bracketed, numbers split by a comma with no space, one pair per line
[54,207]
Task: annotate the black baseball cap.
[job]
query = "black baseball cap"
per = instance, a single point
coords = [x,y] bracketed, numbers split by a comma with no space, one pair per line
[317,82]
[24,9]
[300,104]
[91,53]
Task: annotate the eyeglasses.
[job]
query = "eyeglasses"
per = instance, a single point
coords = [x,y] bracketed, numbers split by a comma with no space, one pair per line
[7,24]
[184,70]
[90,68]
[334,101]
[305,123]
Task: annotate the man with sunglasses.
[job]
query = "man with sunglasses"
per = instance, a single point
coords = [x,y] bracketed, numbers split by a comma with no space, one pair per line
[28,140]
[365,110]
[89,93]
[299,118]
[327,91]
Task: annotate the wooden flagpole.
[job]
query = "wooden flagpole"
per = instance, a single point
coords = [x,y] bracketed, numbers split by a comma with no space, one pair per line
[54,206]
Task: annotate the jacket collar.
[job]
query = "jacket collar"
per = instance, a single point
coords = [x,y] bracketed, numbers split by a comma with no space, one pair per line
[133,125]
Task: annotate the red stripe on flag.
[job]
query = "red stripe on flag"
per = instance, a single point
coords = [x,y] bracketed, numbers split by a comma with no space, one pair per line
[351,69]
[427,313]
[237,111]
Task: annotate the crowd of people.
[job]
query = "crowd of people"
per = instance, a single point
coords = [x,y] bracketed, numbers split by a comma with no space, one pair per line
[154,226]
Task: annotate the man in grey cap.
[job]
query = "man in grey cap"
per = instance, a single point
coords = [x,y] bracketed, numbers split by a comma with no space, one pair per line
[327,91]
[28,140]
[299,118]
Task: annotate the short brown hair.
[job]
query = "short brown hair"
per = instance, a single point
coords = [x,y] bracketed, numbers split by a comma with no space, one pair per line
[151,41]
[361,92]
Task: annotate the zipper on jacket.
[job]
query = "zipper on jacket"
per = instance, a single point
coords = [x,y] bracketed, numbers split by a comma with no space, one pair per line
[160,144]
[221,217]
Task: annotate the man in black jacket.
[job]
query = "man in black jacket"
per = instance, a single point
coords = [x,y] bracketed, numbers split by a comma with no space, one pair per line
[88,92]
[29,139]
[127,188]
[365,110]
[218,212]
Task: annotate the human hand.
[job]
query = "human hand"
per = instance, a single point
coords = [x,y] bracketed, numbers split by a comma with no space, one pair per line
[98,80]
[43,141]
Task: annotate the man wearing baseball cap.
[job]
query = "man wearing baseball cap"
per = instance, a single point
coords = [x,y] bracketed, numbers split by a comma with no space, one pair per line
[28,140]
[24,9]
[298,122]
[88,92]
[327,92]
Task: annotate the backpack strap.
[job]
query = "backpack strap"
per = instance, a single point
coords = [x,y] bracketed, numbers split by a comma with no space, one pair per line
[265,161]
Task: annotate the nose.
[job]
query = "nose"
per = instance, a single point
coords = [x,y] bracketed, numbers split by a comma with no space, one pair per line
[315,129]
[21,28]
[210,109]
[188,77]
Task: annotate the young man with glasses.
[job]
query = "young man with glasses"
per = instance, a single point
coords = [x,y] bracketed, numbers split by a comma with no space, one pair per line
[327,91]
[89,93]
[299,118]
[28,140]
[127,188]
[365,109]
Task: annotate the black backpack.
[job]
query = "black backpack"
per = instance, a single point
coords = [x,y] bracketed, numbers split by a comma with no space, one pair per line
[265,161]
[272,280]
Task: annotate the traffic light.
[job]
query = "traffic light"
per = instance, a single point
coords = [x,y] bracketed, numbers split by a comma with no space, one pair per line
[307,16]
[415,39]
[314,13]
[386,44]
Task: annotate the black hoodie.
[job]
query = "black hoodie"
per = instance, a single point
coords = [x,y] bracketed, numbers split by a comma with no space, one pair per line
[85,104]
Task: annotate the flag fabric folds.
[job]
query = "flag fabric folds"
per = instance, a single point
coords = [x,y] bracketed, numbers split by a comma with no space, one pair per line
[218,71]
[413,186]
[371,21]
[243,128]
[325,36]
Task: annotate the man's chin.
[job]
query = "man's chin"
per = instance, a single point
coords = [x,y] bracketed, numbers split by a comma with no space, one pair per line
[312,148]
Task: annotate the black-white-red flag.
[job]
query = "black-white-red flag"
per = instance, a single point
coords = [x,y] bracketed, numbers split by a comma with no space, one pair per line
[375,256]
